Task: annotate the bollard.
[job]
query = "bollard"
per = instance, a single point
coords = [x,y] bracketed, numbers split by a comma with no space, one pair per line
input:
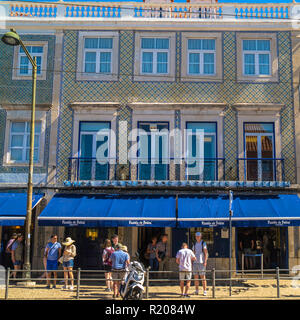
[78,283]
[214,283]
[7,283]
[147,283]
[277,277]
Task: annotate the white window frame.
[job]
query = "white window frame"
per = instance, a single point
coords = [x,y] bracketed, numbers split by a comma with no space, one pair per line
[273,75]
[138,75]
[154,62]
[113,75]
[26,135]
[16,75]
[256,60]
[201,61]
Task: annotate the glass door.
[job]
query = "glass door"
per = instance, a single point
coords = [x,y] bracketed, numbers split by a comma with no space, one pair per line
[153,151]
[94,151]
[259,145]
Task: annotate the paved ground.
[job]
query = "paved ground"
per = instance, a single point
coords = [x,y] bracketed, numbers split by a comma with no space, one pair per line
[251,289]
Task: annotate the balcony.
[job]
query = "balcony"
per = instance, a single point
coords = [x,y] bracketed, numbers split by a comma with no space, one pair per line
[164,9]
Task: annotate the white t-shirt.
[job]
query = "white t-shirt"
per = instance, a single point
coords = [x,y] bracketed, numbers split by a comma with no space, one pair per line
[185,259]
[197,248]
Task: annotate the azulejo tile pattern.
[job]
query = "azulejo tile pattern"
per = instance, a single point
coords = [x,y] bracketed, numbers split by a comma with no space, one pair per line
[229,91]
[19,92]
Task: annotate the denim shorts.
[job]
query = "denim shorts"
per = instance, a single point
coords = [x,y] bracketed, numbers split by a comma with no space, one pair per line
[52,265]
[68,264]
[17,263]
[199,269]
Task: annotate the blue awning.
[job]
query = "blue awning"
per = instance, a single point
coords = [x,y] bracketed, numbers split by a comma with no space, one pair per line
[109,211]
[248,211]
[13,208]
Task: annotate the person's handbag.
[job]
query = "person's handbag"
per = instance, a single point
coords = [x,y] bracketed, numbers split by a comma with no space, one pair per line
[161,255]
[61,259]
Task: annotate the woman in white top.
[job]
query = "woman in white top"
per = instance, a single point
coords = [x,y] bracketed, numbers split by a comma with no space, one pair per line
[68,262]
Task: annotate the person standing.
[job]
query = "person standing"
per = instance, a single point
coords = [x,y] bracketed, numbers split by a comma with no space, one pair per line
[68,262]
[151,250]
[17,249]
[115,241]
[199,265]
[107,264]
[7,259]
[53,252]
[163,253]
[184,258]
[120,260]
[247,247]
[266,250]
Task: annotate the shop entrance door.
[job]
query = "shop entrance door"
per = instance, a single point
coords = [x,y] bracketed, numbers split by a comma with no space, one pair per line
[144,238]
[272,242]
[89,242]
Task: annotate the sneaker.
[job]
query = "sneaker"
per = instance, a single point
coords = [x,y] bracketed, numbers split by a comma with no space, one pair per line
[54,286]
[187,296]
[196,292]
[48,287]
[64,287]
[107,290]
[204,293]
[71,288]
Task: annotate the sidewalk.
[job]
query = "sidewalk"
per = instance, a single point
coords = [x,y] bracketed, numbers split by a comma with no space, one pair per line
[256,289]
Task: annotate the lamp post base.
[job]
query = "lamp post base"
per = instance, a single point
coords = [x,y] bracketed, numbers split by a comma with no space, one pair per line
[26,283]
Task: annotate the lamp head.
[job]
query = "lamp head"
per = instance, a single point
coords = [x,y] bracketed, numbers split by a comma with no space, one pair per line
[11,38]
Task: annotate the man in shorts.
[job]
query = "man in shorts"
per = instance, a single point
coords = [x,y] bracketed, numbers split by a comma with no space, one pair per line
[52,253]
[199,265]
[184,258]
[120,260]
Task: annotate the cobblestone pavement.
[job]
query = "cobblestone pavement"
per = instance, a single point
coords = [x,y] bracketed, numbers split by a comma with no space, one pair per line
[250,289]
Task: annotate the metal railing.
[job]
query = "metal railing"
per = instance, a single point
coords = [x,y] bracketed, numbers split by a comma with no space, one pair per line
[151,277]
[260,169]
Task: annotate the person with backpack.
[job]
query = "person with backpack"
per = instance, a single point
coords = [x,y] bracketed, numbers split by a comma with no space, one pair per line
[107,263]
[17,249]
[8,261]
[199,266]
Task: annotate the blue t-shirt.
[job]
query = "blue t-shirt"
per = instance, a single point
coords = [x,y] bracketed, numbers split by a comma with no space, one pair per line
[15,245]
[53,250]
[119,259]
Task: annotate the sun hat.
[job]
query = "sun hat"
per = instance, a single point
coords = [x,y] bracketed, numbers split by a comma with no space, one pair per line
[68,241]
[124,248]
[198,234]
[119,246]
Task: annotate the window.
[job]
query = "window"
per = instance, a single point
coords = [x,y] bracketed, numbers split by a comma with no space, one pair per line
[154,55]
[259,145]
[22,68]
[201,56]
[93,160]
[20,141]
[153,151]
[24,63]
[256,57]
[201,151]
[98,55]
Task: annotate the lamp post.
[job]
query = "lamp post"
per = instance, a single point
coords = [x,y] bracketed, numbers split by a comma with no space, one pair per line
[13,39]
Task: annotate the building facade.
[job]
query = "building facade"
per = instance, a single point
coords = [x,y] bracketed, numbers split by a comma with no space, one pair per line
[127,71]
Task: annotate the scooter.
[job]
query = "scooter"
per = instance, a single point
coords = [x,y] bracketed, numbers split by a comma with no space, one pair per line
[132,288]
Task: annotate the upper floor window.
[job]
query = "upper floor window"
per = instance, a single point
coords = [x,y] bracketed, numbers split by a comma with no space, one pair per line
[22,68]
[20,141]
[155,55]
[98,56]
[257,57]
[201,56]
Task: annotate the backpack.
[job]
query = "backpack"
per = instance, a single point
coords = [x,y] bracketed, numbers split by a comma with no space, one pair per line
[109,253]
[202,243]
[8,248]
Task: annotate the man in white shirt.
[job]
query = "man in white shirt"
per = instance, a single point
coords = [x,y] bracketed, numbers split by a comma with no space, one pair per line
[184,258]
[199,265]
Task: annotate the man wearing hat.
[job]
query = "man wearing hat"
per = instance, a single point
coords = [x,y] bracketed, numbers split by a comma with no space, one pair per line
[68,261]
[120,260]
[199,265]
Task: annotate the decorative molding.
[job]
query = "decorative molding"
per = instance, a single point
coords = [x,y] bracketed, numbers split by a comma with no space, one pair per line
[270,108]
[27,106]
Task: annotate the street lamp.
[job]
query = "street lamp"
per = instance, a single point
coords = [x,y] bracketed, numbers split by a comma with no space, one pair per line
[13,39]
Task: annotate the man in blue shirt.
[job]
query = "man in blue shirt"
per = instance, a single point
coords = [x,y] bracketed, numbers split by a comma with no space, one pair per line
[120,260]
[53,252]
